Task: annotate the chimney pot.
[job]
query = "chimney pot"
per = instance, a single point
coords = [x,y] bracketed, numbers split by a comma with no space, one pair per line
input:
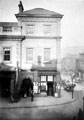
[21,8]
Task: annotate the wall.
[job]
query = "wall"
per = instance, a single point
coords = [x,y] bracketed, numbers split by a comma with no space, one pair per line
[41,41]
[14,47]
[38,45]
[39,23]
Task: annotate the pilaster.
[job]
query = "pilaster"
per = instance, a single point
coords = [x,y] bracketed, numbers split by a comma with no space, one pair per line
[19,53]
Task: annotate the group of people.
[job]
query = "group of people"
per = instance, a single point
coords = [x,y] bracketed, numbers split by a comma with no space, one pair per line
[25,91]
[27,88]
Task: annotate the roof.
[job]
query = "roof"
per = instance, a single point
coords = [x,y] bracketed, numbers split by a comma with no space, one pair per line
[39,12]
[45,68]
[8,24]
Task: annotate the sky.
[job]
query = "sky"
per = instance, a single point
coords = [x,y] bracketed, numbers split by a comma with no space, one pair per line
[72,23]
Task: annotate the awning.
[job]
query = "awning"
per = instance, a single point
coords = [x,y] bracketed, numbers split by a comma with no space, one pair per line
[45,70]
[39,67]
[4,67]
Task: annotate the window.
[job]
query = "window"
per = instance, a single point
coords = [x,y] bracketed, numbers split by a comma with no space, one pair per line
[46,54]
[30,29]
[29,54]
[0,29]
[50,78]
[6,54]
[7,29]
[43,78]
[47,29]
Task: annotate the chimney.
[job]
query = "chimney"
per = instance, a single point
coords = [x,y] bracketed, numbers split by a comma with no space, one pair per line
[21,8]
[39,60]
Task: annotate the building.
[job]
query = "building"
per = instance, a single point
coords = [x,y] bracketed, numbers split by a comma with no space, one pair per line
[69,63]
[33,46]
[80,66]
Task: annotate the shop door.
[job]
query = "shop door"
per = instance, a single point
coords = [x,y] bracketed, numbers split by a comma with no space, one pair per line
[50,85]
[50,88]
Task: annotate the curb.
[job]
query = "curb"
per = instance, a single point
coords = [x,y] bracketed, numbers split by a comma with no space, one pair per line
[17,107]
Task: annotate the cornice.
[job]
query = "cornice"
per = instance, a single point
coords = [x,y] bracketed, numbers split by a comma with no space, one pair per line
[39,19]
[39,15]
[12,37]
[43,37]
[21,38]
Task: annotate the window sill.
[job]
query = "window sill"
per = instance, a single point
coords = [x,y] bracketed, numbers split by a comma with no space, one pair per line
[7,62]
[28,62]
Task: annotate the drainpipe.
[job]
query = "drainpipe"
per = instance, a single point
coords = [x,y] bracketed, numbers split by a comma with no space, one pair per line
[17,68]
[21,48]
[21,54]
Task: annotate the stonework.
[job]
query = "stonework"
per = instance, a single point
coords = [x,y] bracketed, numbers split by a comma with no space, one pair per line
[37,41]
[32,46]
[25,19]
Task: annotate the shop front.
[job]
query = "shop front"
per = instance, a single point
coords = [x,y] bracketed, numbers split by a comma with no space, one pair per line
[46,80]
[7,81]
[47,84]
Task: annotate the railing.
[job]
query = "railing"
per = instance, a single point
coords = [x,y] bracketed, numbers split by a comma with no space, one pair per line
[10,33]
[14,31]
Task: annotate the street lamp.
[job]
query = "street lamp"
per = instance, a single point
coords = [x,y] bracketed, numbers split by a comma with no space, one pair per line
[72,84]
[72,87]
[83,104]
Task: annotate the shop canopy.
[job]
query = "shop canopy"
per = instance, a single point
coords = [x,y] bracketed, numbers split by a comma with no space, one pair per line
[4,67]
[46,70]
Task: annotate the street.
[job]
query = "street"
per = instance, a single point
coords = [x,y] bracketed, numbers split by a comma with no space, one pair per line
[59,112]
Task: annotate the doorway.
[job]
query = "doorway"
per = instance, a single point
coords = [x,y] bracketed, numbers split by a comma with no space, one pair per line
[5,83]
[5,87]
[50,88]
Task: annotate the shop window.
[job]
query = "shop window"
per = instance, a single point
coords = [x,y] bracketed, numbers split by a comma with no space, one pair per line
[50,78]
[43,78]
[46,54]
[6,54]
[30,29]
[29,54]
[7,28]
[43,86]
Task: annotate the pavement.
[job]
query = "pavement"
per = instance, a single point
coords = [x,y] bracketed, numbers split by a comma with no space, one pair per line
[39,101]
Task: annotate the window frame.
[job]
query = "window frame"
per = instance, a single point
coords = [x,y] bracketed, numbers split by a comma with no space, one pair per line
[47,31]
[28,60]
[6,47]
[29,32]
[7,27]
[48,59]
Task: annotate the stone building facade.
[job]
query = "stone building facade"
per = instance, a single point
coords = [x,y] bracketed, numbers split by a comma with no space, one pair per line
[80,66]
[33,44]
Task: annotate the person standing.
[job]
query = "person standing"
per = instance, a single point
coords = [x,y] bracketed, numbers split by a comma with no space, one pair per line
[32,95]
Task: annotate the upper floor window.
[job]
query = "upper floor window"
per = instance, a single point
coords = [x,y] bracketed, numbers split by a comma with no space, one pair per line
[30,29]
[47,29]
[6,54]
[7,29]
[46,54]
[0,29]
[29,54]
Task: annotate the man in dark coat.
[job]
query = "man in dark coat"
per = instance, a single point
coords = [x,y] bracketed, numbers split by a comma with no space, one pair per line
[26,87]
